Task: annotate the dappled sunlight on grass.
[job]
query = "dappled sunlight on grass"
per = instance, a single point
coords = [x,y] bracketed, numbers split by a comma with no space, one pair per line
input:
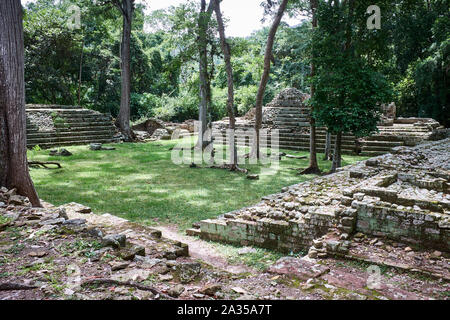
[141,183]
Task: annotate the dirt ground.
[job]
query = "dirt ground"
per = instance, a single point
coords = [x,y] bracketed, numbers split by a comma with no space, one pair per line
[64,253]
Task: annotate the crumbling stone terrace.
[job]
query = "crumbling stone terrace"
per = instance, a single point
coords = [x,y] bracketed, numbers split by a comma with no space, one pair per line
[289,114]
[403,196]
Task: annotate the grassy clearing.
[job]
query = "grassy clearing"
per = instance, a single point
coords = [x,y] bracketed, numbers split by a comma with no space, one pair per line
[140,182]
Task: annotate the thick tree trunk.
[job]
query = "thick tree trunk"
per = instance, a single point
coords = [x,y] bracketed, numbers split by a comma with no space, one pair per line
[13,140]
[337,153]
[265,78]
[123,119]
[327,155]
[313,165]
[205,90]
[230,99]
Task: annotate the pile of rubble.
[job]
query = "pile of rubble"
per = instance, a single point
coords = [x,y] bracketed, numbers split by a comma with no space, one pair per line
[155,129]
[68,252]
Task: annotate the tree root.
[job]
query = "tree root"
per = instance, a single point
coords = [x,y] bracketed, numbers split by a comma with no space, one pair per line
[131,284]
[295,157]
[39,164]
[230,167]
[9,286]
[310,170]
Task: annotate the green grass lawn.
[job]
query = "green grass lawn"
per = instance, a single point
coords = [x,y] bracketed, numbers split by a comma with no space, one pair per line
[140,182]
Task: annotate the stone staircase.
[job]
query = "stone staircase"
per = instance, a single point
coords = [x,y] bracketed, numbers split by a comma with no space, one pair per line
[404,132]
[288,114]
[379,144]
[56,125]
[289,139]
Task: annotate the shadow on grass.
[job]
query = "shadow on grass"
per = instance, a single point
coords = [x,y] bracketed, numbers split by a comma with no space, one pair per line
[139,182]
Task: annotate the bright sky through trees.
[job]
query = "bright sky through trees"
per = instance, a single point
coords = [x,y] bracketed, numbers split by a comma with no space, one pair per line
[244,15]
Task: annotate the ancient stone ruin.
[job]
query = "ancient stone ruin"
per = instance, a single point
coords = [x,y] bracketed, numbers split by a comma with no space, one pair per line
[154,129]
[402,196]
[289,114]
[56,125]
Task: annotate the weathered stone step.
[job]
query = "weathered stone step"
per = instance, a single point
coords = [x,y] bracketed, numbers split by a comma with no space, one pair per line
[372,153]
[318,137]
[389,144]
[75,124]
[345,146]
[55,139]
[292,115]
[288,109]
[74,129]
[50,106]
[47,145]
[383,138]
[302,121]
[290,125]
[320,149]
[42,135]
[292,136]
[404,130]
[65,111]
[376,148]
[83,117]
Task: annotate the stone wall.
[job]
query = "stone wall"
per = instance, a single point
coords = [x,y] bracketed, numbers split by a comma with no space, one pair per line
[284,236]
[427,229]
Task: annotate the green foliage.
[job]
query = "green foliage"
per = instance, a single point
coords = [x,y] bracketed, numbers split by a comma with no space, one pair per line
[245,98]
[420,42]
[411,51]
[54,53]
[51,53]
[348,91]
[347,99]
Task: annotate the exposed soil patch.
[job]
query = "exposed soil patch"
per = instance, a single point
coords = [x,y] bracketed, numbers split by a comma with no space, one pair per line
[68,252]
[202,250]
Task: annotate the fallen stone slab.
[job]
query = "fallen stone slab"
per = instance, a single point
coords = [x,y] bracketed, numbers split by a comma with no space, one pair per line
[114,240]
[99,146]
[299,268]
[61,152]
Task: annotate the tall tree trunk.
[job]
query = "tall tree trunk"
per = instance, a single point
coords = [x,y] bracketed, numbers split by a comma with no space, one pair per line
[230,99]
[337,153]
[313,165]
[327,155]
[13,140]
[338,143]
[265,77]
[81,71]
[205,90]
[123,119]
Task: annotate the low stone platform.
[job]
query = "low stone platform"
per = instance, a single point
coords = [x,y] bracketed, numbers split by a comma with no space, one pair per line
[57,125]
[402,196]
[288,114]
